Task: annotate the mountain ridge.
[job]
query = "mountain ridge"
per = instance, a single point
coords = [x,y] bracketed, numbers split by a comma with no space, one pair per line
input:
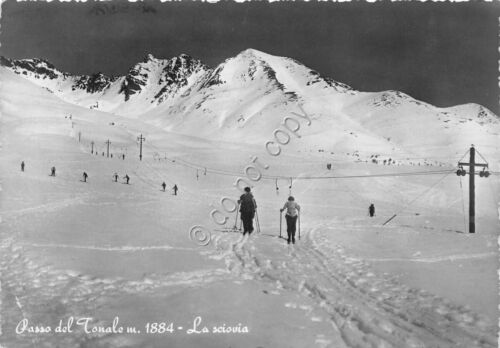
[247,97]
[174,75]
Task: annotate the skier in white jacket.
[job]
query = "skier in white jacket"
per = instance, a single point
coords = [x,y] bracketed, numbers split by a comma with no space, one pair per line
[292,211]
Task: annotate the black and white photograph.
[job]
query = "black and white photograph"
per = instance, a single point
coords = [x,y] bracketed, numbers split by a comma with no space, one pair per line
[249,174]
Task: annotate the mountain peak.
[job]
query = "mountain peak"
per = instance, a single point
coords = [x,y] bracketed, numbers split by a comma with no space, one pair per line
[185,56]
[149,58]
[253,53]
[39,67]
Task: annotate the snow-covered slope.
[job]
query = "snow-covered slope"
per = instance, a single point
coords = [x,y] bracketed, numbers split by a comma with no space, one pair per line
[247,97]
[103,249]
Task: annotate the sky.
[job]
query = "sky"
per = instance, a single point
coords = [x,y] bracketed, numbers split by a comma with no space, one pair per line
[442,53]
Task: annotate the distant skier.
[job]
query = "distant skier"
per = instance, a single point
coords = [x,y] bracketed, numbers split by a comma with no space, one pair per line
[247,210]
[22,166]
[53,171]
[123,156]
[292,211]
[164,185]
[85,176]
[371,210]
[115,176]
[127,178]
[175,189]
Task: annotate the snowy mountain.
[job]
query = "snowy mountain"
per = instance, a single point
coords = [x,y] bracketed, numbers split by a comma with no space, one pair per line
[103,250]
[246,97]
[146,84]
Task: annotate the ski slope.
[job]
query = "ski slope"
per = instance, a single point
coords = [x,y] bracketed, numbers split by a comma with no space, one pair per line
[103,249]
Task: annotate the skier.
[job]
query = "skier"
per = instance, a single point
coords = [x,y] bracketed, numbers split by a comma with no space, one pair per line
[247,210]
[371,210]
[85,177]
[53,171]
[164,185]
[115,176]
[175,189]
[127,178]
[22,166]
[292,210]
[123,156]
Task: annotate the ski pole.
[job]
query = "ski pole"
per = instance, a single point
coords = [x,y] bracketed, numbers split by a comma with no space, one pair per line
[299,225]
[236,219]
[257,220]
[281,217]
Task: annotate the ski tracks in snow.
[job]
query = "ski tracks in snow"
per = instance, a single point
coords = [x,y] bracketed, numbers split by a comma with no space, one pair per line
[365,309]
[66,292]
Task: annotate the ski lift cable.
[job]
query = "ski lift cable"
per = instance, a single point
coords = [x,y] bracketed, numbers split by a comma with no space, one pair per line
[465,154]
[418,197]
[199,166]
[484,159]
[274,177]
[196,166]
[358,176]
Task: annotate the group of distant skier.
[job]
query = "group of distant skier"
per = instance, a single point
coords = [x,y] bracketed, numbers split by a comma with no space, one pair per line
[175,188]
[115,178]
[126,178]
[247,206]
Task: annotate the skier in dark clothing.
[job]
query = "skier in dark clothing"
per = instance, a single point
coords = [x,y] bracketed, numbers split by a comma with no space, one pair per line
[371,210]
[164,185]
[123,156]
[53,171]
[247,210]
[115,176]
[175,189]
[292,211]
[127,178]
[85,177]
[22,166]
